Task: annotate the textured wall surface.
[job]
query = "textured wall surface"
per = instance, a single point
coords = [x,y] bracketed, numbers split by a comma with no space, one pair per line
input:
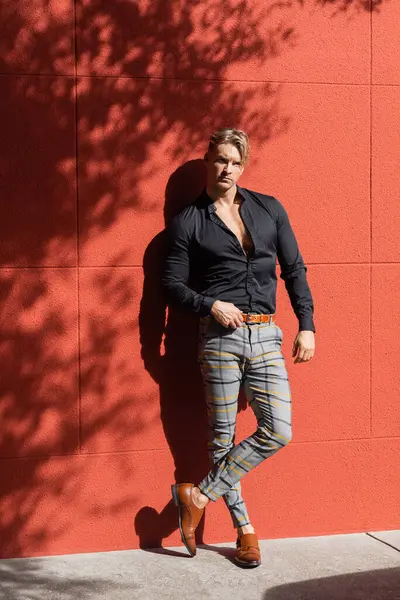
[105,108]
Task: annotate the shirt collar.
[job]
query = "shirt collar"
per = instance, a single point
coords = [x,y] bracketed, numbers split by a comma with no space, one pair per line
[209,202]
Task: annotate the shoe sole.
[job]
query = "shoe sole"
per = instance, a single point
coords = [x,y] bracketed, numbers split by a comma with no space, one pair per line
[175,498]
[247,565]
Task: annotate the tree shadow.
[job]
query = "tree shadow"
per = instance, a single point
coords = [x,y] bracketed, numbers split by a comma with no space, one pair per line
[374,585]
[96,99]
[347,5]
[60,399]
[169,353]
[20,577]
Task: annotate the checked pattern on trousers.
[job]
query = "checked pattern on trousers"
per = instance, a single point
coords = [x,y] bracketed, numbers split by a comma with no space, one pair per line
[249,356]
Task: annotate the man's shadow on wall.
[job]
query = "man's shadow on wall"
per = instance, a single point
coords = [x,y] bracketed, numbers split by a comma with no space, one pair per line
[169,352]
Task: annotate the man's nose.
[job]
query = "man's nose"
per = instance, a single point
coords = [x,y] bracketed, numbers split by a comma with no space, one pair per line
[228,167]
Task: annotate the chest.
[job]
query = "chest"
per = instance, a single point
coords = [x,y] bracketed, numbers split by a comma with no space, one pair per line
[221,236]
[233,221]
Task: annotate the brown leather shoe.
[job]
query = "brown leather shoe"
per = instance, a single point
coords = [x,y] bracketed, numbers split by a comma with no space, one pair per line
[189,514]
[247,551]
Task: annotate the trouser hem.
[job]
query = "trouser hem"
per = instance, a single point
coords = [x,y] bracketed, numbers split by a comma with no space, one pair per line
[208,494]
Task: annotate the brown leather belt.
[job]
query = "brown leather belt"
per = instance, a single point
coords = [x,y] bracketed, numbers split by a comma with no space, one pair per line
[255,318]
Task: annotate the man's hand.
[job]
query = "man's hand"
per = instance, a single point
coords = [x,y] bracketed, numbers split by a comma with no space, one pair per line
[227,314]
[303,346]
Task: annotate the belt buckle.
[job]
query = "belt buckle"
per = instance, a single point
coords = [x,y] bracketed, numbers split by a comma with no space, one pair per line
[252,317]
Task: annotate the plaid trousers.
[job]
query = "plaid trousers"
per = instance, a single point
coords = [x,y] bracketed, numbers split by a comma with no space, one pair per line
[229,358]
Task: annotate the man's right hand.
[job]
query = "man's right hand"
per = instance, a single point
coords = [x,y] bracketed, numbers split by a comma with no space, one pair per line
[227,314]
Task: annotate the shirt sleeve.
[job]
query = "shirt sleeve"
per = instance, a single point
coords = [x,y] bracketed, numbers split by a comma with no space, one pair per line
[177,269]
[293,272]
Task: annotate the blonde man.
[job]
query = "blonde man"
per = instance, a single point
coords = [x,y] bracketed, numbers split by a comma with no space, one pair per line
[231,237]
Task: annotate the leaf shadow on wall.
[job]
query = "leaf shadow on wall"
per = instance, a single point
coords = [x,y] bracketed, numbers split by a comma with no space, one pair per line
[57,402]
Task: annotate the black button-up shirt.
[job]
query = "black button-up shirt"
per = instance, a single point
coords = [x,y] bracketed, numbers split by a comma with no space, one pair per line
[206,261]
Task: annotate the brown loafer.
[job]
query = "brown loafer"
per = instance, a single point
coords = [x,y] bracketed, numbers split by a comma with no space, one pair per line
[247,551]
[189,514]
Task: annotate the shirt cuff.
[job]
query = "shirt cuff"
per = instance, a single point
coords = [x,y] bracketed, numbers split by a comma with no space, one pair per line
[206,304]
[306,324]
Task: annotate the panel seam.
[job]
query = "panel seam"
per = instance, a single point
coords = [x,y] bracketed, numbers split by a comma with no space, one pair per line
[382,541]
[77,235]
[371,221]
[75,75]
[167,449]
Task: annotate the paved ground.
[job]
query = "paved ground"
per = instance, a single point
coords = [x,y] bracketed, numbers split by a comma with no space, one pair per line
[345,567]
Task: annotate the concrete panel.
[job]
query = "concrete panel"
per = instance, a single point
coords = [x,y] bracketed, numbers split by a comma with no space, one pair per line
[385,174]
[135,137]
[38,208]
[385,49]
[37,37]
[354,488]
[309,42]
[296,490]
[385,342]
[82,503]
[140,388]
[384,479]
[243,41]
[120,208]
[331,393]
[119,400]
[319,167]
[39,375]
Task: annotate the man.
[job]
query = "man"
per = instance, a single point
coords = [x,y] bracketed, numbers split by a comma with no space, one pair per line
[229,238]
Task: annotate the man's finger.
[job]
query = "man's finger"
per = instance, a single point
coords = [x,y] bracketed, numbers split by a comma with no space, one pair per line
[240,316]
[308,355]
[300,355]
[235,319]
[239,320]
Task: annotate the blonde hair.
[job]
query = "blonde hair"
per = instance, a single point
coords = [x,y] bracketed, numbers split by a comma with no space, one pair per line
[236,137]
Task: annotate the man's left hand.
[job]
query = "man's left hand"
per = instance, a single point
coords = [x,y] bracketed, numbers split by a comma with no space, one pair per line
[303,346]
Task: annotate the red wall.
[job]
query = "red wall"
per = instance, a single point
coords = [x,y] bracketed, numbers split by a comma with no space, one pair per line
[105,109]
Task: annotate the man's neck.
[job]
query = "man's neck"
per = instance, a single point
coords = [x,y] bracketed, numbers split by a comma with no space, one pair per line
[226,199]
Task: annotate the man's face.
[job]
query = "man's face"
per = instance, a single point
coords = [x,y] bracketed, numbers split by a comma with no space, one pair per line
[224,167]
